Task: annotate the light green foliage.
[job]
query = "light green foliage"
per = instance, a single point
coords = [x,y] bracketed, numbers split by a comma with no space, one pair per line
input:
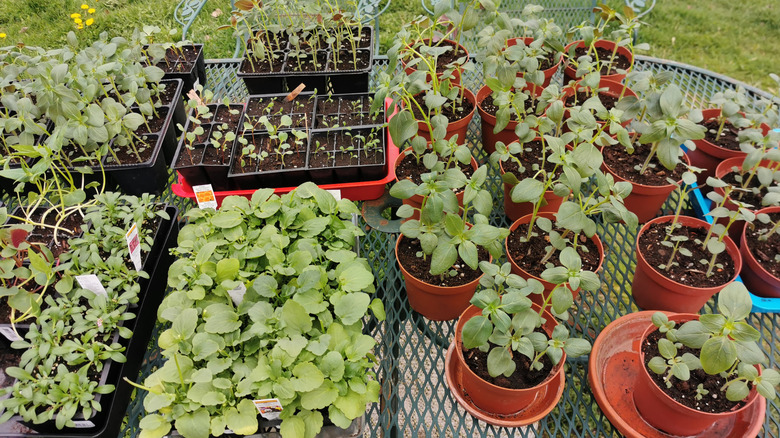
[728,346]
[296,335]
[79,331]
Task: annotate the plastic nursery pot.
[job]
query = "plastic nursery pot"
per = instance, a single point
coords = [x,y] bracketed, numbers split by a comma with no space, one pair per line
[416,200]
[645,200]
[437,303]
[548,287]
[654,291]
[665,413]
[516,210]
[613,88]
[756,278]
[724,168]
[549,73]
[191,71]
[459,127]
[496,399]
[570,72]
[708,155]
[455,79]
[507,135]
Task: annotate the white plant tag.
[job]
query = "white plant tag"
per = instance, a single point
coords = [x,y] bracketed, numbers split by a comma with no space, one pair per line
[134,244]
[91,282]
[204,194]
[10,334]
[83,424]
[336,193]
[237,294]
[269,408]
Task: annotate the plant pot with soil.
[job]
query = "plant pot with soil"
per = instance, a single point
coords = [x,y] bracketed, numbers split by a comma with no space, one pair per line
[501,110]
[447,62]
[760,249]
[179,60]
[439,253]
[347,155]
[696,370]
[610,103]
[728,125]
[509,371]
[752,184]
[682,263]
[536,59]
[653,162]
[606,47]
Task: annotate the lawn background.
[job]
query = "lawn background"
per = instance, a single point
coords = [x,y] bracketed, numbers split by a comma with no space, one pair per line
[737,39]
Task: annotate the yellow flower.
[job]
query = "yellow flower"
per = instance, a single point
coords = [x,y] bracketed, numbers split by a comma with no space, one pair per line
[2,35]
[77,20]
[81,26]
[75,15]
[91,10]
[84,6]
[90,21]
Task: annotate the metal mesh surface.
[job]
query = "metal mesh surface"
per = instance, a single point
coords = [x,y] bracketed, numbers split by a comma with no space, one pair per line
[415,400]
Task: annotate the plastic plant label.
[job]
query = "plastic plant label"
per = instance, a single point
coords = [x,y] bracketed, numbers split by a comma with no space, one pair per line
[134,245]
[294,93]
[92,283]
[336,193]
[269,408]
[237,294]
[204,194]
[83,424]
[10,334]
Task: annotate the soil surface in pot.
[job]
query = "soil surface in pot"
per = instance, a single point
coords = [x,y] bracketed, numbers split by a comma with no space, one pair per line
[523,377]
[684,392]
[489,107]
[272,40]
[686,270]
[223,115]
[452,110]
[729,137]
[127,155]
[346,62]
[166,96]
[529,254]
[608,99]
[261,65]
[45,235]
[212,155]
[409,168]
[299,110]
[420,269]
[8,358]
[604,55]
[189,157]
[452,54]
[179,61]
[766,252]
[627,165]
[753,197]
[306,62]
[155,124]
[531,155]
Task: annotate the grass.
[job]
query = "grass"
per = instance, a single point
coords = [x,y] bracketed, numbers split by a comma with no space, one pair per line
[712,34]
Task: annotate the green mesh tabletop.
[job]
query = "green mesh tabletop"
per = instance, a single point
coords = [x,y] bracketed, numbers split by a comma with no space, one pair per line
[415,400]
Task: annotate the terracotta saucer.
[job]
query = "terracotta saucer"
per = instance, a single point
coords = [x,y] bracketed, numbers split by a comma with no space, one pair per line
[530,415]
[612,370]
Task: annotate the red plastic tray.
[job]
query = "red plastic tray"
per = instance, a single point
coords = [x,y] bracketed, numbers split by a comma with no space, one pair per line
[355,191]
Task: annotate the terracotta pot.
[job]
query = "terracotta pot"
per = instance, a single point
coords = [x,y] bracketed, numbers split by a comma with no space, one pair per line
[570,73]
[549,73]
[757,279]
[416,200]
[489,139]
[436,303]
[548,287]
[665,413]
[645,201]
[654,291]
[516,210]
[724,168]
[455,74]
[459,127]
[708,155]
[496,399]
